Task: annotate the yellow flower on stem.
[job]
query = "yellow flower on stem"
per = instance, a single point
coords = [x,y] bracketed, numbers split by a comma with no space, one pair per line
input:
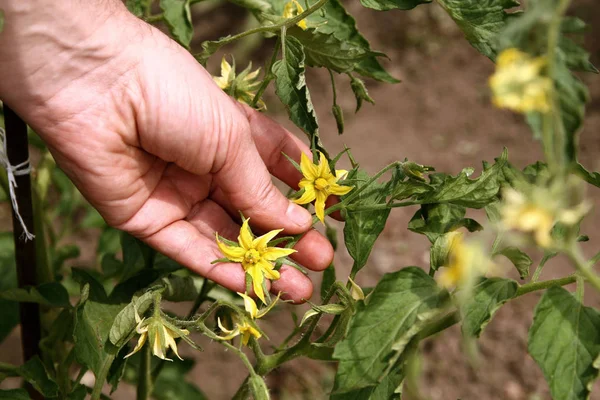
[319,183]
[520,214]
[160,334]
[243,86]
[518,84]
[244,328]
[464,262]
[255,256]
[292,9]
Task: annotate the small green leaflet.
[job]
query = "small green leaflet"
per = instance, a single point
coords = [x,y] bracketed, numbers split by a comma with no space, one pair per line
[362,228]
[480,21]
[487,297]
[564,340]
[290,86]
[384,390]
[178,17]
[593,178]
[434,220]
[385,5]
[137,7]
[399,306]
[360,92]
[519,258]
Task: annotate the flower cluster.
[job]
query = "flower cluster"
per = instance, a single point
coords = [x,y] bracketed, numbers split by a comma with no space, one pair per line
[518,83]
[242,87]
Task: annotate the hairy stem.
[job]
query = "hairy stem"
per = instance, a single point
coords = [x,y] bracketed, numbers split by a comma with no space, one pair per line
[533,286]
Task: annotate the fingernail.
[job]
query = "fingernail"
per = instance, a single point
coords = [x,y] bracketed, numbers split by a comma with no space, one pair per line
[298,215]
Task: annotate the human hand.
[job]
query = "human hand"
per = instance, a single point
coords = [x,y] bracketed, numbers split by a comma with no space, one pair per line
[150,140]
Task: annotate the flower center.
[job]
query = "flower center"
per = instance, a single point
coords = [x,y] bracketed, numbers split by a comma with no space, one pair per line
[321,184]
[252,256]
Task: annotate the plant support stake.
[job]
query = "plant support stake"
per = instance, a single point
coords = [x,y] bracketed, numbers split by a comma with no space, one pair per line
[17,152]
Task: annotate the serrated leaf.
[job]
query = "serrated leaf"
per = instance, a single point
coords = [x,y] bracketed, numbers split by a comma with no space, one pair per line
[328,280]
[385,5]
[519,258]
[290,86]
[593,178]
[326,50]
[51,294]
[564,340]
[487,297]
[398,306]
[34,372]
[434,220]
[178,17]
[362,228]
[464,191]
[480,21]
[384,390]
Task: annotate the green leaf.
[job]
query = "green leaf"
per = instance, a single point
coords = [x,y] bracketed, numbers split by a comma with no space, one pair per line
[399,306]
[384,390]
[9,310]
[328,280]
[434,220]
[564,340]
[363,227]
[78,393]
[178,17]
[487,297]
[464,191]
[51,294]
[93,320]
[593,178]
[172,385]
[34,372]
[438,254]
[360,92]
[124,322]
[137,7]
[14,394]
[577,57]
[480,21]
[519,258]
[326,50]
[290,86]
[385,5]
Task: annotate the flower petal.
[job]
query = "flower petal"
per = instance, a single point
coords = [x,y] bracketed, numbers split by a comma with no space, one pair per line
[225,69]
[223,329]
[260,243]
[249,305]
[246,237]
[233,253]
[323,168]
[308,195]
[309,170]
[340,174]
[139,344]
[273,253]
[268,270]
[257,281]
[170,341]
[320,205]
[340,190]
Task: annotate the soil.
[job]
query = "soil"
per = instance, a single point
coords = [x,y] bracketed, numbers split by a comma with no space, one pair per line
[439,115]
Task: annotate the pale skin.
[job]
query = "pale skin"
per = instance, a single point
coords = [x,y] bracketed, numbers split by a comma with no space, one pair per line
[149,139]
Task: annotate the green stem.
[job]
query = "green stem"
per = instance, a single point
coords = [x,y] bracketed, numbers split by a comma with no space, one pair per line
[533,286]
[154,18]
[144,386]
[378,207]
[268,76]
[594,260]
[583,266]
[273,28]
[580,288]
[9,369]
[333,86]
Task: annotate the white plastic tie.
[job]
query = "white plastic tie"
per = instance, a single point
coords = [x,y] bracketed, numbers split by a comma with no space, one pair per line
[23,168]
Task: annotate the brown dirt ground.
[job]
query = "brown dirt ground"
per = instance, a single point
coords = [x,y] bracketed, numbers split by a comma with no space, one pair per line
[439,115]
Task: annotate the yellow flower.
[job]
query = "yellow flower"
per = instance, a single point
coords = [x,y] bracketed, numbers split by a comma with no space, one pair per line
[319,183]
[523,215]
[241,328]
[517,83]
[292,9]
[464,262]
[243,86]
[161,335]
[244,328]
[255,256]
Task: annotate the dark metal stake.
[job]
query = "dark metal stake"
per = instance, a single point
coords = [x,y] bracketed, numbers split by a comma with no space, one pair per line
[18,152]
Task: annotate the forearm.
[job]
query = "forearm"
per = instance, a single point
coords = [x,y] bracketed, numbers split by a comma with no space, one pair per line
[53,50]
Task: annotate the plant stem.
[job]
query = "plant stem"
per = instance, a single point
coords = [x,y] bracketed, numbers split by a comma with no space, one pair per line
[333,86]
[144,386]
[378,207]
[154,18]
[533,286]
[268,75]
[583,266]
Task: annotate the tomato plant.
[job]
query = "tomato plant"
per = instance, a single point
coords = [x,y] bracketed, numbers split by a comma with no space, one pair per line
[119,330]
